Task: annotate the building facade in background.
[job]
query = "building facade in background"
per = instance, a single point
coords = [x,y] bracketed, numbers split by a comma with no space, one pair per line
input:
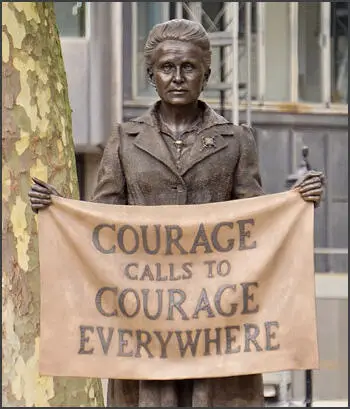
[283,68]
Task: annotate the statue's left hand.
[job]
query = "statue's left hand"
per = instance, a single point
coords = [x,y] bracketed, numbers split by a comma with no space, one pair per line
[311,186]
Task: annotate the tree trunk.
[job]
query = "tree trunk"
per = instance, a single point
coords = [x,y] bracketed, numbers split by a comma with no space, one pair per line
[36,141]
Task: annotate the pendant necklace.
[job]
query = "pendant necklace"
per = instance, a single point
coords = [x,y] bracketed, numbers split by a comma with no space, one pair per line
[177,139]
[179,144]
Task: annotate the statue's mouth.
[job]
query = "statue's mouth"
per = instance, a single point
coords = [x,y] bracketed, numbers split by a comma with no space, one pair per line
[178,91]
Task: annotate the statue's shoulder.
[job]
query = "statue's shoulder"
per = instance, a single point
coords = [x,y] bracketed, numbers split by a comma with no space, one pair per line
[248,130]
[131,127]
[244,134]
[243,131]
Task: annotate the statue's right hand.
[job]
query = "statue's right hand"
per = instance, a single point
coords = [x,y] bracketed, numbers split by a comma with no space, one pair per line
[40,194]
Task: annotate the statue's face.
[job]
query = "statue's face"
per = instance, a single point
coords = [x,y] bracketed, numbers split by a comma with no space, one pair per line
[178,72]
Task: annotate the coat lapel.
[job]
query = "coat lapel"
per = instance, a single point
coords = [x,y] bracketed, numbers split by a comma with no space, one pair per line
[214,127]
[148,139]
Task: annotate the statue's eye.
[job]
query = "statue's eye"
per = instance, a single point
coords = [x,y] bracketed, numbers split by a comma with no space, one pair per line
[188,66]
[167,67]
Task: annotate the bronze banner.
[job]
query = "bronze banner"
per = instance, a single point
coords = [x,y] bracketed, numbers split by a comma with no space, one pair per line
[173,292]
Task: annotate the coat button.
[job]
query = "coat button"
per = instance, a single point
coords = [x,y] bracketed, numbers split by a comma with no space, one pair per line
[181,189]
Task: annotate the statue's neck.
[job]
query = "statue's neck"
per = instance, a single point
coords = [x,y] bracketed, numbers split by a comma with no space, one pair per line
[178,118]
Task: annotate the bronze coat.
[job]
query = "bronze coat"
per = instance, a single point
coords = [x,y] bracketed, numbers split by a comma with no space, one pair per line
[138,169]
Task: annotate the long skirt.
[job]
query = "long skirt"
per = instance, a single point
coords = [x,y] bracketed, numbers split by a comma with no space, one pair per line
[237,391]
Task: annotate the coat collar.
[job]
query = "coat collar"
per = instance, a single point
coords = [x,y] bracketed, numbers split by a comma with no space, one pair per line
[148,138]
[210,117]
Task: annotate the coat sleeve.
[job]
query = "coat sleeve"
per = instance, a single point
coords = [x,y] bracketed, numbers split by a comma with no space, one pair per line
[247,179]
[111,183]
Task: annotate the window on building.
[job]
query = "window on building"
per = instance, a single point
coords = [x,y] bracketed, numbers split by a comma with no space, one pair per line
[339,51]
[70,18]
[309,51]
[243,72]
[148,14]
[298,51]
[213,17]
[277,51]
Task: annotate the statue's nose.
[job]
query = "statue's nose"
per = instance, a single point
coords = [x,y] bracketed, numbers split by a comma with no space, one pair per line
[178,78]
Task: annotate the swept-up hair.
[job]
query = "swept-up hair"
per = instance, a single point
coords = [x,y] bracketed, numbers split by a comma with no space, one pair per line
[180,30]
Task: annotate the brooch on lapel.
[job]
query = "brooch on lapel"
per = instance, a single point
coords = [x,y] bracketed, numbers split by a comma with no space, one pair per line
[208,142]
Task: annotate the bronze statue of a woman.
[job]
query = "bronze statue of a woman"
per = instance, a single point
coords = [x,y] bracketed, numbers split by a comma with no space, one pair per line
[180,152]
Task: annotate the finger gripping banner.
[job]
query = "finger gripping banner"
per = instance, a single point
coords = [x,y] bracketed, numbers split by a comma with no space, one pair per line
[176,292]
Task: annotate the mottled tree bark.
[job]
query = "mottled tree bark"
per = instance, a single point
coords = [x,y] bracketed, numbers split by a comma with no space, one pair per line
[36,141]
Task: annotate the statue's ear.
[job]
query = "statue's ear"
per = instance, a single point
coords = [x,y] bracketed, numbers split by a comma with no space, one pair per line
[206,78]
[207,75]
[150,76]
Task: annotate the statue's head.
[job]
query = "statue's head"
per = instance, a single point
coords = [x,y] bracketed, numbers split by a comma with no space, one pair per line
[178,58]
